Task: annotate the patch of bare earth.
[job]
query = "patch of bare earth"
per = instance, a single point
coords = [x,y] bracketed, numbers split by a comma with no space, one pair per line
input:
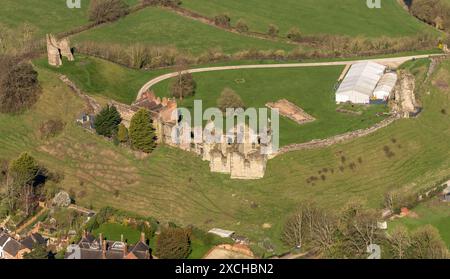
[291,111]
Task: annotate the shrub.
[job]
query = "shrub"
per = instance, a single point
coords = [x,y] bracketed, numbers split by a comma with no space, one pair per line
[222,20]
[241,26]
[173,243]
[229,99]
[183,86]
[294,34]
[107,121]
[101,11]
[122,133]
[51,128]
[273,30]
[19,86]
[141,132]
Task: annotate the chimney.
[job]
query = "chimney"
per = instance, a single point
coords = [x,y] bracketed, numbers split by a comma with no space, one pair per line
[103,243]
[84,234]
[125,250]
[121,238]
[142,237]
[100,239]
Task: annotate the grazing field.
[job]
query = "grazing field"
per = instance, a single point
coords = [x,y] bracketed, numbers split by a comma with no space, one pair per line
[433,212]
[160,27]
[311,89]
[173,185]
[344,17]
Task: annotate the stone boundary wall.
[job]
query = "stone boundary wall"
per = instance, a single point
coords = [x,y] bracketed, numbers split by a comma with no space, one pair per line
[336,139]
[92,105]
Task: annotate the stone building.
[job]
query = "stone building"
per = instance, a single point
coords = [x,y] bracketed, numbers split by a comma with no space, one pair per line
[245,159]
[56,49]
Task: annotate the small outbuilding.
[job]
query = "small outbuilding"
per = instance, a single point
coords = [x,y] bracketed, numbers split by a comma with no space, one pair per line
[385,86]
[222,233]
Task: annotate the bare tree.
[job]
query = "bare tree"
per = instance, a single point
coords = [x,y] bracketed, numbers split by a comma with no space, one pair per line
[400,241]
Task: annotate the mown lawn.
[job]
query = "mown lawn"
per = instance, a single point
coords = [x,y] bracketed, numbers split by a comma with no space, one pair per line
[173,185]
[344,17]
[312,89]
[160,27]
[114,231]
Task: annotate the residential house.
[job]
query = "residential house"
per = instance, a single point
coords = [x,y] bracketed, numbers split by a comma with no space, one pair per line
[91,247]
[11,248]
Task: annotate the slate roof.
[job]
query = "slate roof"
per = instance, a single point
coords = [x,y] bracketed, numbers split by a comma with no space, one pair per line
[31,240]
[12,247]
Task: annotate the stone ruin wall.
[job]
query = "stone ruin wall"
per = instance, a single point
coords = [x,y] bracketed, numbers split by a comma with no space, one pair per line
[56,49]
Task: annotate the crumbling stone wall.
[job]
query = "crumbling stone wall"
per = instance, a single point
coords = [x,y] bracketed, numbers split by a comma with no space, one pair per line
[56,49]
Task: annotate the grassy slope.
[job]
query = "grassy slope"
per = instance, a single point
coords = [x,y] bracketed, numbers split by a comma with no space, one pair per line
[101,78]
[177,186]
[157,26]
[309,88]
[45,15]
[346,17]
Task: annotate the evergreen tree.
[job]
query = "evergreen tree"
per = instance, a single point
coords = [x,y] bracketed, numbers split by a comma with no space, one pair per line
[141,132]
[107,121]
[173,243]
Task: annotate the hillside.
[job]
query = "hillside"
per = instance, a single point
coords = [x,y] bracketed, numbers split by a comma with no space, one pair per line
[344,17]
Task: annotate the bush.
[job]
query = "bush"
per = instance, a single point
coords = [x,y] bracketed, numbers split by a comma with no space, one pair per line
[122,133]
[229,99]
[222,20]
[173,243]
[183,86]
[241,26]
[107,121]
[294,34]
[101,11]
[51,128]
[19,86]
[141,132]
[273,31]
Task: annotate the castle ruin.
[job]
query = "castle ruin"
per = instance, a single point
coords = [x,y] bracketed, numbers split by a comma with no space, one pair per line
[245,159]
[56,49]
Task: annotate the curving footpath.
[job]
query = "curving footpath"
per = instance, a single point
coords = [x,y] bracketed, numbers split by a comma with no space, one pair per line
[392,62]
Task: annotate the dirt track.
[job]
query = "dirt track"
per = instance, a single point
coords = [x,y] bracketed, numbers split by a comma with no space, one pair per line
[392,62]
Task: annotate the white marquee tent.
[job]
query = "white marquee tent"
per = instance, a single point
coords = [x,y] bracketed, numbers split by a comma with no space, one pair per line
[360,82]
[385,86]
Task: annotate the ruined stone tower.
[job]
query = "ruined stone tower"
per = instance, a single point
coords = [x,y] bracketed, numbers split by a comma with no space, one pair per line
[58,49]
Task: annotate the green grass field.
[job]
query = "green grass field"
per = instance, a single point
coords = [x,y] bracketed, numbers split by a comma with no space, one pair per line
[102,78]
[46,16]
[114,231]
[161,27]
[433,212]
[344,17]
[312,89]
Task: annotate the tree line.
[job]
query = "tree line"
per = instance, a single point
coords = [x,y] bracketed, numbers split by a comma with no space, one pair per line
[348,232]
